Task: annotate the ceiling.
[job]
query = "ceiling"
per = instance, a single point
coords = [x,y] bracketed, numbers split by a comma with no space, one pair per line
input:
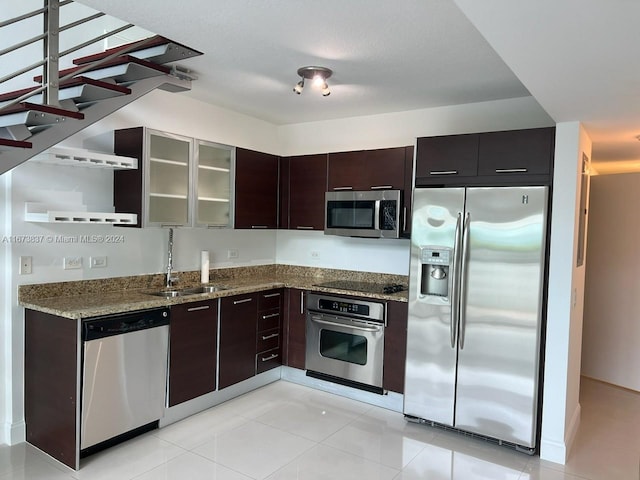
[576,57]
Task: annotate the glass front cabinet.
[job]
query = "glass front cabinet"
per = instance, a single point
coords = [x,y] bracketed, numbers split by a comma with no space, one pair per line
[182,182]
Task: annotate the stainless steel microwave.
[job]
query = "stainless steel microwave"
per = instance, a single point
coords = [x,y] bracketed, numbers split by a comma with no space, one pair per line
[372,214]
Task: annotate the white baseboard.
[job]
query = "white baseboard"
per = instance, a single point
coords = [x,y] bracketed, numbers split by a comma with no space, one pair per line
[557,452]
[13,433]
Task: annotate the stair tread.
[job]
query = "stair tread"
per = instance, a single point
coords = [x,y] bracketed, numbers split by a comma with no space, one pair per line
[27,106]
[7,142]
[124,59]
[72,82]
[153,42]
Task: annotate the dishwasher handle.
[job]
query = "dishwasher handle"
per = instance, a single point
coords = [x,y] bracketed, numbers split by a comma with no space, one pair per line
[119,324]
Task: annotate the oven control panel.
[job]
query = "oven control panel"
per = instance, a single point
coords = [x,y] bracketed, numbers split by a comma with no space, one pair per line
[344,307]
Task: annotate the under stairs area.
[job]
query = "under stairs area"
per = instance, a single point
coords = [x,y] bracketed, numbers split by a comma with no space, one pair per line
[52,103]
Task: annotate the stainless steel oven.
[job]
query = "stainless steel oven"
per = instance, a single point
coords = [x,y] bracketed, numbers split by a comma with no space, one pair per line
[345,340]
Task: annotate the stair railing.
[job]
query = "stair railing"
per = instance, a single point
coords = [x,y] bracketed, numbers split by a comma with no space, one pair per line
[51,79]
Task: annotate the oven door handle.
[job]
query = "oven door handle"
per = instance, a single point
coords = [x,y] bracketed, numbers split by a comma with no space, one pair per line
[355,327]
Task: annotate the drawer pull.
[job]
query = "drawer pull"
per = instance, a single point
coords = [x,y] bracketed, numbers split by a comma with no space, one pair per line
[299,227]
[270,357]
[273,335]
[244,300]
[269,295]
[259,226]
[195,309]
[271,315]
[382,187]
[443,172]
[343,188]
[511,170]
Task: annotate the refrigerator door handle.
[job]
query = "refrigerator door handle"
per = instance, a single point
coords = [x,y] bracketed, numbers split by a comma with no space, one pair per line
[463,278]
[455,284]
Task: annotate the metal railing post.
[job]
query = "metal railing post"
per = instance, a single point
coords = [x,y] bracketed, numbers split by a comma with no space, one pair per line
[50,77]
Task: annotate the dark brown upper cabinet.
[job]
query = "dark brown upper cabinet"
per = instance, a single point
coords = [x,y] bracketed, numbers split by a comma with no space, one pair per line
[382,169]
[302,188]
[513,157]
[256,189]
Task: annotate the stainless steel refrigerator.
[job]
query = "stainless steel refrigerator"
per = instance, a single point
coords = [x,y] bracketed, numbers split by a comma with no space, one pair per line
[475,309]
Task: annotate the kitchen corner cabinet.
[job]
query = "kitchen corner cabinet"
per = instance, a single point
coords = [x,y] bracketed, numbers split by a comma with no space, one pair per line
[180,181]
[192,352]
[269,330]
[382,169]
[256,190]
[395,346]
[295,328]
[494,158]
[237,346]
[303,186]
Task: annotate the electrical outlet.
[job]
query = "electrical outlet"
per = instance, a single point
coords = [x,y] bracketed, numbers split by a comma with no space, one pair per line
[25,265]
[97,262]
[72,263]
[315,254]
[233,253]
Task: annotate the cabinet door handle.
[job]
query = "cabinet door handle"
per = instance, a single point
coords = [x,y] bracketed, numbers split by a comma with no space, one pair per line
[264,317]
[269,295]
[301,302]
[443,172]
[195,309]
[244,300]
[303,228]
[511,170]
[273,335]
[343,188]
[259,226]
[270,357]
[382,187]
[404,219]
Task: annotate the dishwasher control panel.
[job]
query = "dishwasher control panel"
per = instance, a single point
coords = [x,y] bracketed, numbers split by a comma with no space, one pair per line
[100,327]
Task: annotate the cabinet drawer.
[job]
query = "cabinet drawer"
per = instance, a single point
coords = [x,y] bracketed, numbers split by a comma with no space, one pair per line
[269,300]
[268,319]
[268,360]
[268,340]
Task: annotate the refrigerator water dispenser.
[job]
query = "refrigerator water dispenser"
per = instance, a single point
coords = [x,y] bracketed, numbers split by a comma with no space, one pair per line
[436,270]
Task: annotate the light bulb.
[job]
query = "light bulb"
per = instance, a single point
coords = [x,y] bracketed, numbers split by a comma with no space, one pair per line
[299,86]
[325,90]
[318,80]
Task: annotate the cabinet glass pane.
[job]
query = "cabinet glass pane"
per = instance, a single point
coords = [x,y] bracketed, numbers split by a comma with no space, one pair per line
[168,210]
[169,149]
[213,185]
[168,179]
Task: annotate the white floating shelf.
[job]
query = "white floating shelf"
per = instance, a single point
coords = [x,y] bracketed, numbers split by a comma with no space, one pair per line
[67,209]
[85,158]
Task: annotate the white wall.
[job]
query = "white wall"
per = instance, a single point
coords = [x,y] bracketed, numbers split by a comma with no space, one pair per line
[561,407]
[611,323]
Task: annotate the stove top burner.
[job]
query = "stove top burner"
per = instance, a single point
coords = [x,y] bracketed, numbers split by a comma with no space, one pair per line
[366,287]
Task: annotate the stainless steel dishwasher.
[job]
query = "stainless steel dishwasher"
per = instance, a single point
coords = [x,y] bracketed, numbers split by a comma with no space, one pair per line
[124,374]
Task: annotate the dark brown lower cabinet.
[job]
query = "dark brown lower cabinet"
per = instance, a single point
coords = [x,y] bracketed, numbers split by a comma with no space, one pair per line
[395,346]
[237,355]
[295,329]
[269,330]
[192,353]
[51,384]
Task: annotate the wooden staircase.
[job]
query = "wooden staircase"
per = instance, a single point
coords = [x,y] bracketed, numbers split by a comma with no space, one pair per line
[31,121]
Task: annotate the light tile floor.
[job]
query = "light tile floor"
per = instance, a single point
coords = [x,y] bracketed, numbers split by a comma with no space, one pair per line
[286,431]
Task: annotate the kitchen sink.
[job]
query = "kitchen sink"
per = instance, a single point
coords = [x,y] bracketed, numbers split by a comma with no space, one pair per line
[188,291]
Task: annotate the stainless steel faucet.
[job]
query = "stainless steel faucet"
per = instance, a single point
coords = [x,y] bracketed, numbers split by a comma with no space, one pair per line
[170,278]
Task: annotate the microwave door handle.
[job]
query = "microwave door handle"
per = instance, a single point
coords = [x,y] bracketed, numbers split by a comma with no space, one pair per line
[376,216]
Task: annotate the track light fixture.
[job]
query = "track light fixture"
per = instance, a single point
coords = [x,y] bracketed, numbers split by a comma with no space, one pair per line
[318,76]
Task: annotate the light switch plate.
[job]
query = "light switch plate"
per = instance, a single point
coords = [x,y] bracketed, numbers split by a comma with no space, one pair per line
[72,263]
[97,262]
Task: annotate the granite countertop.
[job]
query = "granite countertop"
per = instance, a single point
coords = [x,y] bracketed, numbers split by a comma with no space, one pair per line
[91,298]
